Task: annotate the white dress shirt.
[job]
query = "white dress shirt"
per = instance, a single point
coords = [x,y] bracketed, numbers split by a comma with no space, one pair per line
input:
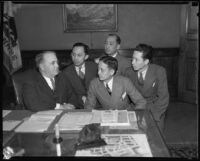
[49,81]
[82,69]
[143,73]
[110,83]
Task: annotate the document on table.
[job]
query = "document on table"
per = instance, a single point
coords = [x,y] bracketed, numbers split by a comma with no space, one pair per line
[114,118]
[74,120]
[134,145]
[36,123]
[133,122]
[10,125]
[5,112]
[50,112]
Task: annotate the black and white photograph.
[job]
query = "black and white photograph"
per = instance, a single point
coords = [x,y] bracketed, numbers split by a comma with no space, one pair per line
[100,79]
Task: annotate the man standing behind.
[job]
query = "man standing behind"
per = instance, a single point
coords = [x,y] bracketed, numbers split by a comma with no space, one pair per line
[81,72]
[112,45]
[42,87]
[112,90]
[151,81]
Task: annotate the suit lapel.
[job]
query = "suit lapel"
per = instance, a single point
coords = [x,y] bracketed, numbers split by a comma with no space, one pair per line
[77,80]
[149,78]
[43,84]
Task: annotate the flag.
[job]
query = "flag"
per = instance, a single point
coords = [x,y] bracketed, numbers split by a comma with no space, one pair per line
[11,51]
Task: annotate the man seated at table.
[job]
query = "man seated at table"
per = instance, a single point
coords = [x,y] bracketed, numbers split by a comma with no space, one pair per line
[42,89]
[112,90]
[112,45]
[151,80]
[81,72]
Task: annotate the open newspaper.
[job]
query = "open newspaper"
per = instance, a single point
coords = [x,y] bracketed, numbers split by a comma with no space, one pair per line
[38,122]
[120,145]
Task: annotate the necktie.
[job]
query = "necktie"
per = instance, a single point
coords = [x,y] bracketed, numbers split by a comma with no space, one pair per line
[108,89]
[81,74]
[140,79]
[53,83]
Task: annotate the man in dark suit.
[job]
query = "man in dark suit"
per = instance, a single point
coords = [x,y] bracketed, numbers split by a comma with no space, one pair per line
[112,45]
[42,89]
[81,72]
[112,90]
[151,81]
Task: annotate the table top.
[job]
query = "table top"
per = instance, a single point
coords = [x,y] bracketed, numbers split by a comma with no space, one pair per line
[40,144]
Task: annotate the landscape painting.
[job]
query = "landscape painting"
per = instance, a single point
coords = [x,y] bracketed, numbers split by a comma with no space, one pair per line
[89,17]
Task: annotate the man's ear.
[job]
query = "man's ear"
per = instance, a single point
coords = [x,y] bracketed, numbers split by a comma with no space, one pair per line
[112,71]
[146,61]
[86,57]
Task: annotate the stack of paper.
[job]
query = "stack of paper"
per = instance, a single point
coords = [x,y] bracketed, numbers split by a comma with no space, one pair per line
[38,122]
[114,118]
[74,120]
[135,145]
[10,125]
[5,112]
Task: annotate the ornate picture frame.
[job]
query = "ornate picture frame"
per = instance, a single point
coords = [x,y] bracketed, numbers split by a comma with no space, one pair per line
[89,17]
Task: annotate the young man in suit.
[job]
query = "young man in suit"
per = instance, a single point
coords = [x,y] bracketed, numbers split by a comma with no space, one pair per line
[151,82]
[42,89]
[112,90]
[112,45]
[81,72]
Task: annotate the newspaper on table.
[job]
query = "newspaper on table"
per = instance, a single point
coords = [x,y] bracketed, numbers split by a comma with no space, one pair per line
[120,145]
[6,112]
[116,119]
[9,125]
[38,122]
[74,120]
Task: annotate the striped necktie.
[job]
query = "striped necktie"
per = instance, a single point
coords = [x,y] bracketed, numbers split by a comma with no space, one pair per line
[140,79]
[80,73]
[108,89]
[52,83]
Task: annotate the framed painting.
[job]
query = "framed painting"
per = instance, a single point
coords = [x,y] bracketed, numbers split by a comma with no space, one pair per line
[89,17]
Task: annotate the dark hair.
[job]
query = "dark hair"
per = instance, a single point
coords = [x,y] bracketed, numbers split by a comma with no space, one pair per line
[111,62]
[118,39]
[147,51]
[39,57]
[85,47]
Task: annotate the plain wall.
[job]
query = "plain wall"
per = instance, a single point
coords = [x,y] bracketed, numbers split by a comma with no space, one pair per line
[41,27]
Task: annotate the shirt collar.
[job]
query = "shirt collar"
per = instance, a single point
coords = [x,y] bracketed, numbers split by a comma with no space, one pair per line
[110,83]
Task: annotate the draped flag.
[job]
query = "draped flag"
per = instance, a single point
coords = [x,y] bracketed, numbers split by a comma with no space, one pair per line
[11,52]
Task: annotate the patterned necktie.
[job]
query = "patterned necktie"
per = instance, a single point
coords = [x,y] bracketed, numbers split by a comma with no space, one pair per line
[140,79]
[80,73]
[52,83]
[108,89]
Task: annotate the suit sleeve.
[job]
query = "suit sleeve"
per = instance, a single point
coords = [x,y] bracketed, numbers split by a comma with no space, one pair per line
[65,91]
[30,98]
[91,97]
[162,94]
[135,95]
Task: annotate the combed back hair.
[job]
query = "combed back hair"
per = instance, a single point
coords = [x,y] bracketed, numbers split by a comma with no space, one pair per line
[147,51]
[111,62]
[85,47]
[39,57]
[118,39]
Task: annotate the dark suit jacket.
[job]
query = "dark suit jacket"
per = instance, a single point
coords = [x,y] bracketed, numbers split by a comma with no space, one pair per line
[123,64]
[154,90]
[37,95]
[121,85]
[80,87]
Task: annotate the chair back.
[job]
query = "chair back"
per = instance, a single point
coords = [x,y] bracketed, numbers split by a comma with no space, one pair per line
[18,81]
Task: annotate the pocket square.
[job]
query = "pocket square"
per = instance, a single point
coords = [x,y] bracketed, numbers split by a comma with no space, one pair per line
[153,84]
[123,95]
